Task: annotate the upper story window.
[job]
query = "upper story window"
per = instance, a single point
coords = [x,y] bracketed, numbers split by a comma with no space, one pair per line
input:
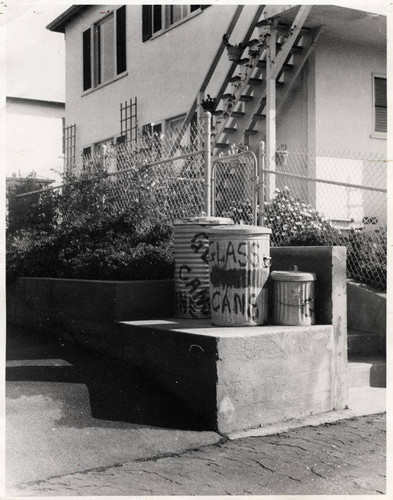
[380,105]
[104,49]
[158,18]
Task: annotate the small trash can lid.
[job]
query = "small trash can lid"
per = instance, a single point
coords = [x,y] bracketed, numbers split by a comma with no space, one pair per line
[292,276]
[204,220]
[239,229]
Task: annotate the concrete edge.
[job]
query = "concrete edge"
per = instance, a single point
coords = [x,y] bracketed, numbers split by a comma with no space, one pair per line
[363,401]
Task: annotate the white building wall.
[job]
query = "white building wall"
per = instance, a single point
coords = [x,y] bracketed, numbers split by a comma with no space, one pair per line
[34,138]
[344,123]
[164,73]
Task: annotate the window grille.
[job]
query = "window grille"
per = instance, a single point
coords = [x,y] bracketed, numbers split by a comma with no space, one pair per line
[128,121]
[69,146]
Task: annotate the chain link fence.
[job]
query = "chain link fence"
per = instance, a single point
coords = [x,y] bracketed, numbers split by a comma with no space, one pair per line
[234,187]
[334,199]
[167,169]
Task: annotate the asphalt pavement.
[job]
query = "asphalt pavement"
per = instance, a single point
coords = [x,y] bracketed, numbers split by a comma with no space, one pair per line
[79,423]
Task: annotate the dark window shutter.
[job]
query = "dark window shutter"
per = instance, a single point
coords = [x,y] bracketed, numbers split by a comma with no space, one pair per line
[380,104]
[157,18]
[146,22]
[121,39]
[86,60]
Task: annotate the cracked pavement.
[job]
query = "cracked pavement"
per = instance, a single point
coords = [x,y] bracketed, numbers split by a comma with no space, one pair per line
[347,457]
[79,424]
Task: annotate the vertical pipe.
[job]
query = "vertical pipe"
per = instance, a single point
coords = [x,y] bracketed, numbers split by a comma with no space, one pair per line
[207,147]
[261,182]
[271,114]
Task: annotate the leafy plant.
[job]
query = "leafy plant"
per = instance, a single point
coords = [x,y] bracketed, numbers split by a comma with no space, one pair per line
[94,238]
[295,223]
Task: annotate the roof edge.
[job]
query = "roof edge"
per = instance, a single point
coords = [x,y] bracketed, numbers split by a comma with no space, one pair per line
[32,100]
[58,25]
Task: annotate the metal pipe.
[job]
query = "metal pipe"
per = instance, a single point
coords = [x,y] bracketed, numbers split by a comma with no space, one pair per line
[325,181]
[207,149]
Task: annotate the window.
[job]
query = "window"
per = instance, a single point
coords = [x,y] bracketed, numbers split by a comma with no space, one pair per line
[380,105]
[158,18]
[152,130]
[104,49]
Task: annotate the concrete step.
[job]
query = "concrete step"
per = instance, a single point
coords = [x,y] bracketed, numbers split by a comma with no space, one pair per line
[367,371]
[363,343]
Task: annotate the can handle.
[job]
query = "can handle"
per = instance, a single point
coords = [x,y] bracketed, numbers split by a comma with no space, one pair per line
[293,268]
[267,261]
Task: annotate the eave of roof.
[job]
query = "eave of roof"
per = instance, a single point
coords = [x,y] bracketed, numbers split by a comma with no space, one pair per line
[58,25]
[28,100]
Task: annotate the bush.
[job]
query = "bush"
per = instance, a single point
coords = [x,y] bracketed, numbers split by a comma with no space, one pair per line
[295,223]
[36,212]
[93,239]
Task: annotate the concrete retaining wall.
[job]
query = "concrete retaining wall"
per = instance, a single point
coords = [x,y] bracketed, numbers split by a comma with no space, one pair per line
[367,311]
[49,303]
[329,264]
[233,378]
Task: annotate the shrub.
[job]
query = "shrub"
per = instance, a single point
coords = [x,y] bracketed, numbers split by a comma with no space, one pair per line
[295,223]
[93,239]
[34,212]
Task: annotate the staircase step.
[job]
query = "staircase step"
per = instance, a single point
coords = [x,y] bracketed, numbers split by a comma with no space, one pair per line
[255,81]
[280,26]
[221,145]
[238,114]
[295,48]
[251,132]
[246,98]
[262,64]
[367,371]
[230,130]
[362,342]
[259,116]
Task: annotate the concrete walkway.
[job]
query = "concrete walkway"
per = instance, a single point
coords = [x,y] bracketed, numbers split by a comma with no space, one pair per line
[82,424]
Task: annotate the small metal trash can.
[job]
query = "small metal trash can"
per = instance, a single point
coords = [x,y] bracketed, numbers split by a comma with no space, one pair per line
[294,295]
[192,267]
[239,261]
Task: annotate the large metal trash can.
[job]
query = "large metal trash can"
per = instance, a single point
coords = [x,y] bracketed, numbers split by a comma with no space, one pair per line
[239,262]
[294,294]
[192,267]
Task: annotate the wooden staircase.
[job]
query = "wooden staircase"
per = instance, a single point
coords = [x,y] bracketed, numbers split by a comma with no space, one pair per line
[272,51]
[240,113]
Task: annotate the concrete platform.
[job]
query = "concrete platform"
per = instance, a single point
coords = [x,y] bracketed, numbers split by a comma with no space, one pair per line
[237,378]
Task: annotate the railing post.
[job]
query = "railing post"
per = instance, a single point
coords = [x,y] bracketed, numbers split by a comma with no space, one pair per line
[271,114]
[207,149]
[261,182]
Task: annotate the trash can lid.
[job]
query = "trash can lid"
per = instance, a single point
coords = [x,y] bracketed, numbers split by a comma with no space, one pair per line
[239,229]
[292,276]
[204,220]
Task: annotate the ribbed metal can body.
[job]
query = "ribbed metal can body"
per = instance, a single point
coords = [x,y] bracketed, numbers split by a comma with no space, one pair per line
[293,303]
[191,266]
[239,262]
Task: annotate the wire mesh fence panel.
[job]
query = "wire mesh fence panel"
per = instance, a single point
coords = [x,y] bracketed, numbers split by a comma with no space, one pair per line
[234,188]
[336,199]
[164,170]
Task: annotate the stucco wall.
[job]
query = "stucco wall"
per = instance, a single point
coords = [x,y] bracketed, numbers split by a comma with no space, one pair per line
[34,138]
[344,76]
[164,73]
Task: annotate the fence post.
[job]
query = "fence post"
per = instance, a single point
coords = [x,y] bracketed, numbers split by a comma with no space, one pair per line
[207,148]
[261,182]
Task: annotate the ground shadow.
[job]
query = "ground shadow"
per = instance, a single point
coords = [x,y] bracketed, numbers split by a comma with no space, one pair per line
[118,394]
